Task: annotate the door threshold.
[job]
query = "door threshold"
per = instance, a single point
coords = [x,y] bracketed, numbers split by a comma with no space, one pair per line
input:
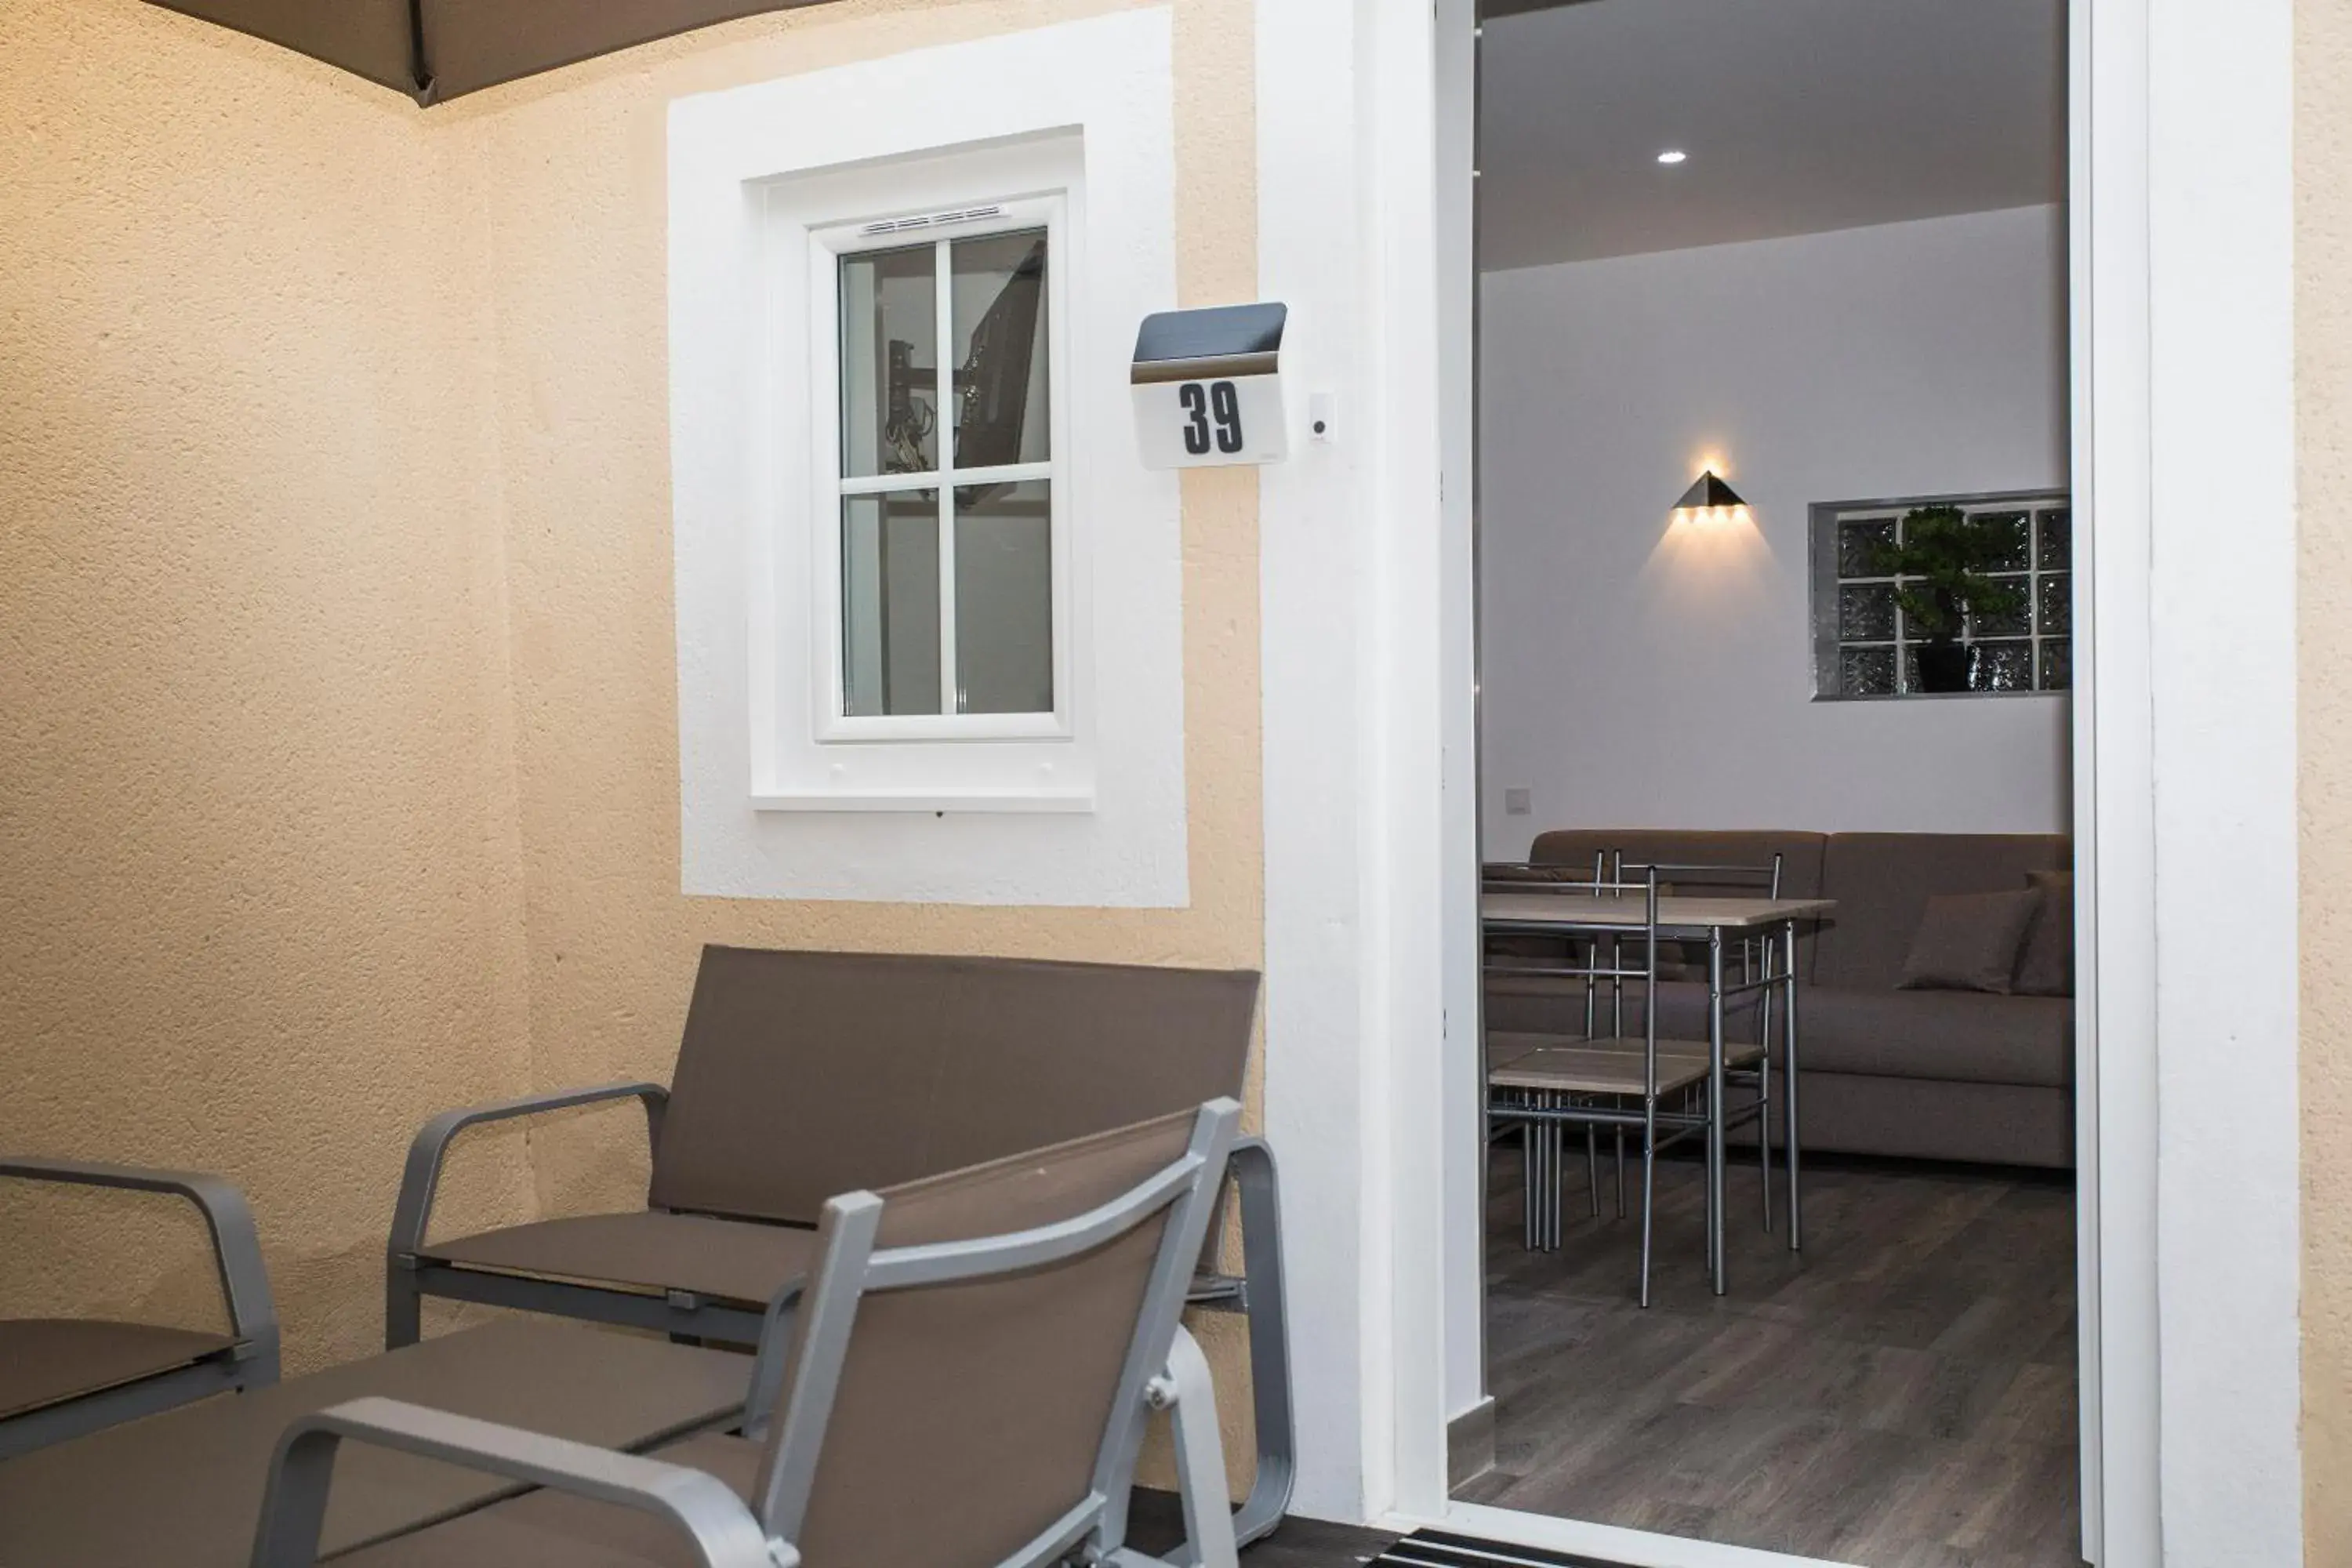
[1480,1536]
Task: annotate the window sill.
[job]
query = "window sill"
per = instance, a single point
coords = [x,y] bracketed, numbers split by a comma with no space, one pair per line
[1929,696]
[940,803]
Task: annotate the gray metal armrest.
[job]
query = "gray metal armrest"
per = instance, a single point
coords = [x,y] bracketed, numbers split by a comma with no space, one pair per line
[236,1245]
[294,1508]
[422,1174]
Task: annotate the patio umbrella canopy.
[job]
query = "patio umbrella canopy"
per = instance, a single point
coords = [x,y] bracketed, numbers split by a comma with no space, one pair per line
[437,49]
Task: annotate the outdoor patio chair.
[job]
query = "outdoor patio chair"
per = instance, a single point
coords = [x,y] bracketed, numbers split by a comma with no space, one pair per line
[63,1377]
[804,1075]
[945,1393]
[1643,1086]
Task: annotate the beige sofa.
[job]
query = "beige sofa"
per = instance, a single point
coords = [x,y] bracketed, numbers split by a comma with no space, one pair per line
[1944,1074]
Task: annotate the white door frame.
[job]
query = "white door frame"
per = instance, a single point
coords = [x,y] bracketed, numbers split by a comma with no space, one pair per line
[2185,796]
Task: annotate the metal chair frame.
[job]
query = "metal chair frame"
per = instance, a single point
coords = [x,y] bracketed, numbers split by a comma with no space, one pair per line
[1256,1293]
[1542,877]
[1542,1117]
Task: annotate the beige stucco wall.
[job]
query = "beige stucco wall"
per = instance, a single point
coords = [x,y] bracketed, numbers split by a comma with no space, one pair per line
[259,883]
[340,752]
[2324,420]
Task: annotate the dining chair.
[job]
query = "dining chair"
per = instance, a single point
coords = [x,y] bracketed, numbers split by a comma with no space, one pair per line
[1652,1088]
[1597,1081]
[1751,1064]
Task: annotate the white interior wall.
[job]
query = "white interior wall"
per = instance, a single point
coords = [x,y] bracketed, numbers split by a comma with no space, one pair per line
[1634,676]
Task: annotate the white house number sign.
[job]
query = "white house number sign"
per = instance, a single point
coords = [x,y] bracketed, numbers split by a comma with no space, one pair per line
[1208,387]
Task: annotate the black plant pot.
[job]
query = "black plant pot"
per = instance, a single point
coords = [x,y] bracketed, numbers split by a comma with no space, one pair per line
[1945,666]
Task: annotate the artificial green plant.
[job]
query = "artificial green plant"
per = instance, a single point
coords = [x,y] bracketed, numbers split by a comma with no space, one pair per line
[1942,561]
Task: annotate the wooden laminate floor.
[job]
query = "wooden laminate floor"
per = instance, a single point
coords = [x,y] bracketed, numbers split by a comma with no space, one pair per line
[1902,1395]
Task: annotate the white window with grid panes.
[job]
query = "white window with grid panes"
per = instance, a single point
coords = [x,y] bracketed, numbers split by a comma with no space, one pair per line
[1865,647]
[929,638]
[945,606]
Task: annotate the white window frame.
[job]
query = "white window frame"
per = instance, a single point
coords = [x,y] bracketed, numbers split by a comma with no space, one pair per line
[829,247]
[807,753]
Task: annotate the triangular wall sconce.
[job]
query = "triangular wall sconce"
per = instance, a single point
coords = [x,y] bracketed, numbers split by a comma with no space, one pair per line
[1709,494]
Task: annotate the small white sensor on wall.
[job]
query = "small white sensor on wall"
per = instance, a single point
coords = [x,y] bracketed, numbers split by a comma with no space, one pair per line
[1518,801]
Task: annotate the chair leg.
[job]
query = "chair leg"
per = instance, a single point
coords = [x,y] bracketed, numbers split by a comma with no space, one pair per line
[1764,1085]
[1649,1185]
[1192,1400]
[1621,1173]
[403,1308]
[1269,1343]
[1707,1186]
[1592,1166]
[1555,1157]
[1531,1209]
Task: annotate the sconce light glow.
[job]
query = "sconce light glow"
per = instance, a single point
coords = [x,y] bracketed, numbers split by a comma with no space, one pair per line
[1709,503]
[1672,156]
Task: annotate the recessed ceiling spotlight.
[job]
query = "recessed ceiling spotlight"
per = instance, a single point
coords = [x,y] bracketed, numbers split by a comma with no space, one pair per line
[1673,155]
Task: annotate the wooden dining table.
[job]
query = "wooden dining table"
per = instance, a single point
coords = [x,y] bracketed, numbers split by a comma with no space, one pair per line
[1570,909]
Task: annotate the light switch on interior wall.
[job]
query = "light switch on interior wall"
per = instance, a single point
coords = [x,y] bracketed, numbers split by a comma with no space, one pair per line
[1518,801]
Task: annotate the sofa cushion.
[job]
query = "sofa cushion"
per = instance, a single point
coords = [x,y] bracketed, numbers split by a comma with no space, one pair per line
[1969,941]
[1955,1035]
[1964,1036]
[1882,882]
[2046,966]
[1916,1118]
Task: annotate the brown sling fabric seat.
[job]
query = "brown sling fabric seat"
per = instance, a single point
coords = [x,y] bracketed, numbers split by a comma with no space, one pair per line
[45,1362]
[554,1530]
[966,1385]
[738,1261]
[184,1488]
